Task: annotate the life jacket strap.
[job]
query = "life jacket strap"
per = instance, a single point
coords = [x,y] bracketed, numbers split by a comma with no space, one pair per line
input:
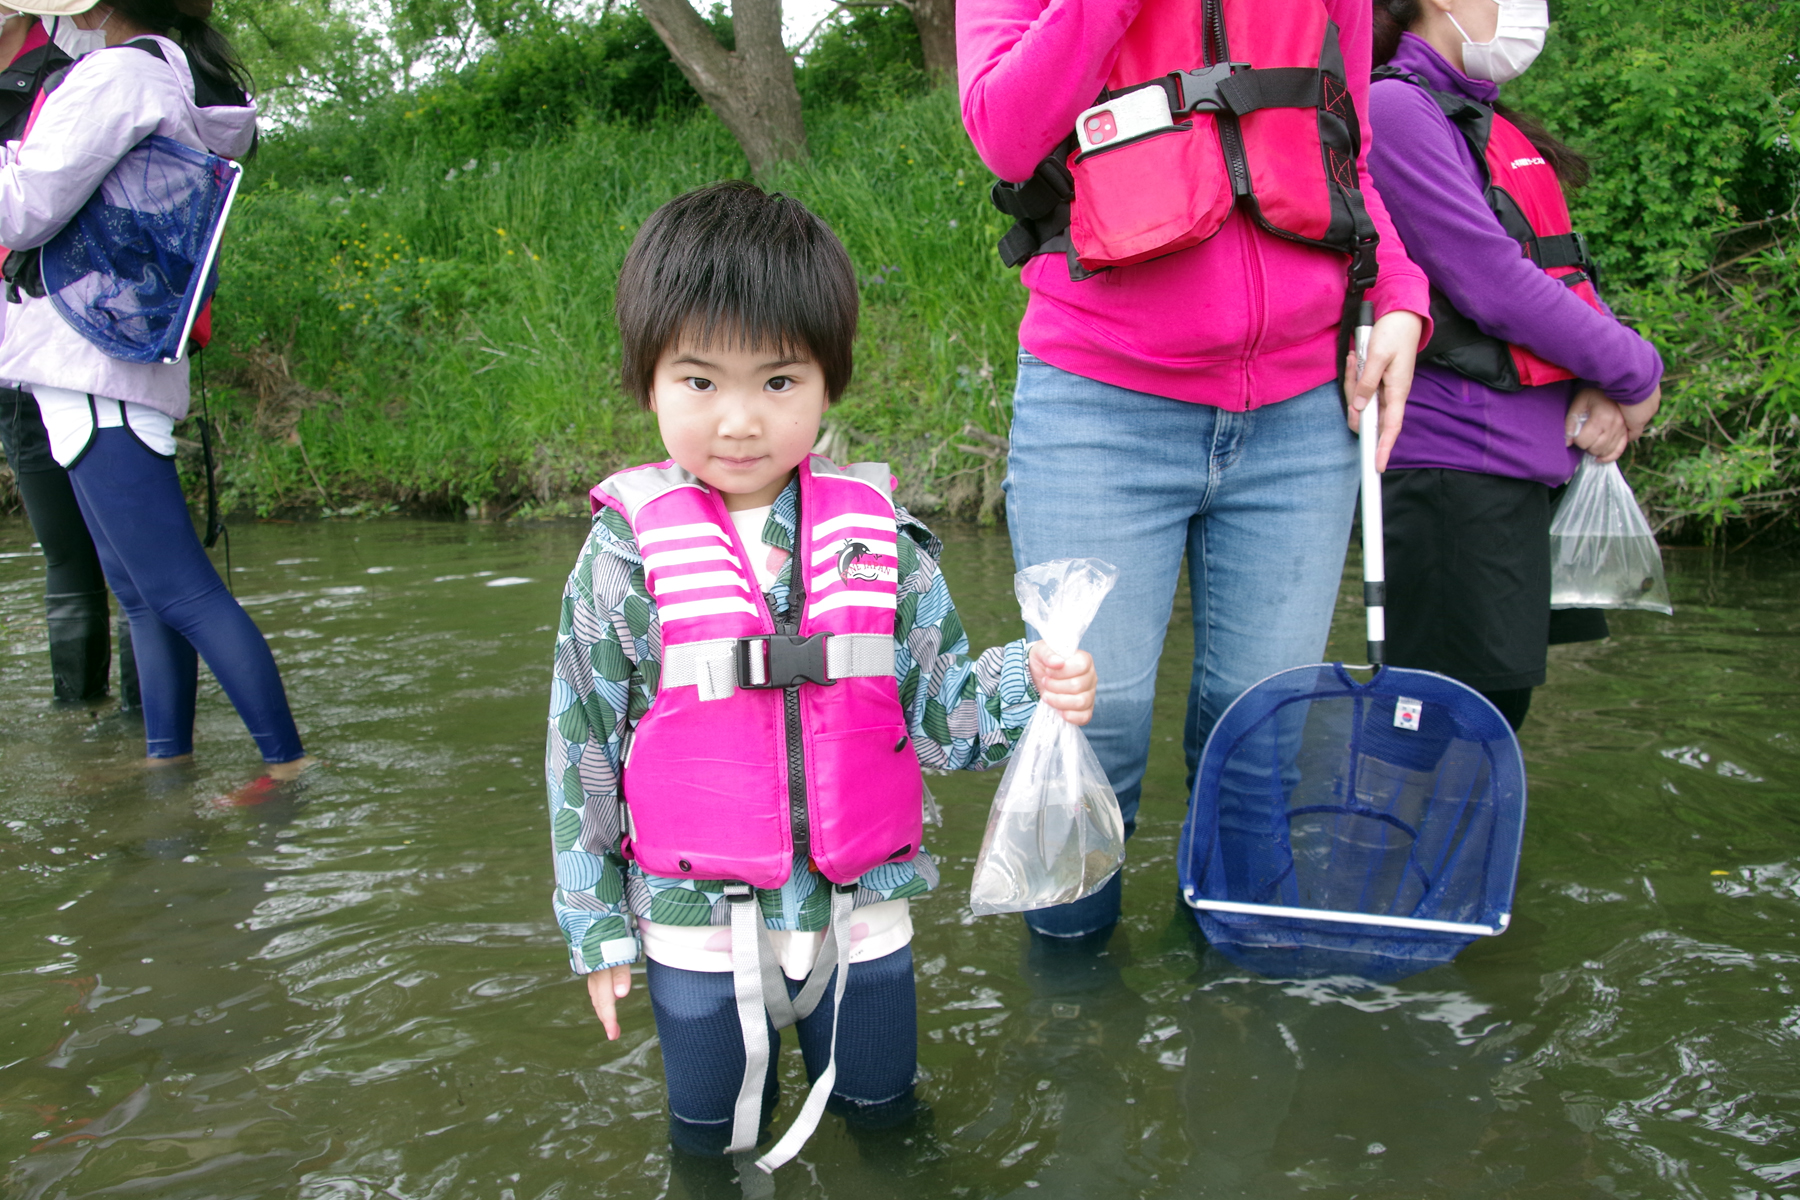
[761,991]
[1561,250]
[720,666]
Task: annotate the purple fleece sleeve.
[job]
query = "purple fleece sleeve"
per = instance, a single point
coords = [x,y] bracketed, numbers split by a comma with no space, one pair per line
[1428,178]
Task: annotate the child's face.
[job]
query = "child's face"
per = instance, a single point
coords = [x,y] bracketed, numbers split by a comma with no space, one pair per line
[740,419]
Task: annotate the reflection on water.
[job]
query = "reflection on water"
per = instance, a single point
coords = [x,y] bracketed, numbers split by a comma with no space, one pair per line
[351,987]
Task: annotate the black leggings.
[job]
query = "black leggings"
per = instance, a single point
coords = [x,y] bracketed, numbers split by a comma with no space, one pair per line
[71,564]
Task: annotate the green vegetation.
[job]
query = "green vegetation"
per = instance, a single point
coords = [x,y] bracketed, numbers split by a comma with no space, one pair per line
[443,337]
[1690,112]
[418,286]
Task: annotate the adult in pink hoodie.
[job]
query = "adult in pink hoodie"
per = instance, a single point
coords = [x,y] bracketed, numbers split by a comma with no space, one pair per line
[1185,406]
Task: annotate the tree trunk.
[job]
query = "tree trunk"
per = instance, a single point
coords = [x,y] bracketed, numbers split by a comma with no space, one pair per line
[936,20]
[751,88]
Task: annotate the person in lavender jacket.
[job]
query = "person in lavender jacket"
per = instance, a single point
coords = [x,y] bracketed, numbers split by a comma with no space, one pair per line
[1468,491]
[165,71]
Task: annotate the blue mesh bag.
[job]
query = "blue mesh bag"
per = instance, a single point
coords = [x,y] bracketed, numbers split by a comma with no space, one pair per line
[1346,828]
[132,269]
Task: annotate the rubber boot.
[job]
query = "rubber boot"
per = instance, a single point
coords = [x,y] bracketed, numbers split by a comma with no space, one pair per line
[80,645]
[131,700]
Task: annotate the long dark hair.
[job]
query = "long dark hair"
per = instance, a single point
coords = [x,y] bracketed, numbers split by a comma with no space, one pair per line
[1395,17]
[209,53]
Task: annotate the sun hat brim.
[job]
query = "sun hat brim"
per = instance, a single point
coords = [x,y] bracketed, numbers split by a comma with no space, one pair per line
[49,8]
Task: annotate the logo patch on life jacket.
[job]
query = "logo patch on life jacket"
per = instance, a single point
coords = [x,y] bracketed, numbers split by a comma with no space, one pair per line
[857,561]
[1516,163]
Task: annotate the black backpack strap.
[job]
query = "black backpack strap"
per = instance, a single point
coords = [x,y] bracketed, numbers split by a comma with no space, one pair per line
[149,46]
[210,91]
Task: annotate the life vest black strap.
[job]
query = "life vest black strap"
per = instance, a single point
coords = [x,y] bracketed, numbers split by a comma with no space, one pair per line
[1562,250]
[1272,87]
[1039,207]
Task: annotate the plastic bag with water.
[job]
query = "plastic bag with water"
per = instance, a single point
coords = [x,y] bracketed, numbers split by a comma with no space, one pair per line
[1602,553]
[1055,833]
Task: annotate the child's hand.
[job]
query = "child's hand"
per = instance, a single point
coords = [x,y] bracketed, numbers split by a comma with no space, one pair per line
[606,987]
[1065,684]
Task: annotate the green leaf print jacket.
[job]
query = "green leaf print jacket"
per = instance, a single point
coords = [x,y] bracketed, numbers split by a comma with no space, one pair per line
[964,714]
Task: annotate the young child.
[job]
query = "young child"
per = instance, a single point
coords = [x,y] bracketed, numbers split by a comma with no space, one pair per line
[735,746]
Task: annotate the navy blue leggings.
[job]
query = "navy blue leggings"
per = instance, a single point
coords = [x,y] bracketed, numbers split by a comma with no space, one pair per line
[132,502]
[703,1048]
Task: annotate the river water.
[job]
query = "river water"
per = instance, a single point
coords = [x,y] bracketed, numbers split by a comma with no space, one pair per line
[351,987]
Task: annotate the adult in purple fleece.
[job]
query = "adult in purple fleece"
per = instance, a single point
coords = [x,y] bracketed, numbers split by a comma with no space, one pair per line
[1432,185]
[1467,493]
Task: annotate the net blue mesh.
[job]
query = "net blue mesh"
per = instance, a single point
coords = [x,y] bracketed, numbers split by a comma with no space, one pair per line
[1311,795]
[123,271]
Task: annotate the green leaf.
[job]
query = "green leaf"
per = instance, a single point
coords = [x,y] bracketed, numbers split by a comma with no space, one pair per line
[572,724]
[679,906]
[565,828]
[606,929]
[637,614]
[937,723]
[611,887]
[609,660]
[909,687]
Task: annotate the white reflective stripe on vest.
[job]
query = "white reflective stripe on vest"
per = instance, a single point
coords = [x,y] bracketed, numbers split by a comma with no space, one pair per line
[674,533]
[706,608]
[825,604]
[666,584]
[690,554]
[826,528]
[830,579]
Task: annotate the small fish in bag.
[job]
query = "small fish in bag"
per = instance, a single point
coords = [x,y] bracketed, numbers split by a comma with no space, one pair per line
[1602,553]
[1054,834]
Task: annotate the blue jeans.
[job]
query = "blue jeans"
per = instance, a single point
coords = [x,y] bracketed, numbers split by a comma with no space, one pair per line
[132,502]
[1259,502]
[703,1048]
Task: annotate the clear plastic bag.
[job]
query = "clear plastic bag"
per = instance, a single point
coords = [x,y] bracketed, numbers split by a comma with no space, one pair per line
[1054,834]
[1602,553]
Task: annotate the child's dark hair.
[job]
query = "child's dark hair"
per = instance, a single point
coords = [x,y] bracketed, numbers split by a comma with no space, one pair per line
[1395,17]
[733,261]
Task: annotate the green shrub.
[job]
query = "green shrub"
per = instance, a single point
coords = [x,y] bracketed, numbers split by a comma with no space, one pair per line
[870,58]
[536,84]
[453,337]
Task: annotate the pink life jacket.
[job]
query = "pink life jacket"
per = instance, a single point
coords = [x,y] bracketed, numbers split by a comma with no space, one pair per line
[764,743]
[1249,104]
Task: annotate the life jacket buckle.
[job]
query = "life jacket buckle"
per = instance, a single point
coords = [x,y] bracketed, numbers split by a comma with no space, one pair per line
[782,661]
[1198,91]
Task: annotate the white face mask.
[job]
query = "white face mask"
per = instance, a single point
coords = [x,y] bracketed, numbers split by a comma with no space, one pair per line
[1517,41]
[77,42]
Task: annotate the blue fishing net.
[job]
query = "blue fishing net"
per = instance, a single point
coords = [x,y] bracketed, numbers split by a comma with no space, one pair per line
[124,271]
[1402,797]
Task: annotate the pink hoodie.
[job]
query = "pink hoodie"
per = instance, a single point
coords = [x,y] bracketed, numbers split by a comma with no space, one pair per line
[1241,320]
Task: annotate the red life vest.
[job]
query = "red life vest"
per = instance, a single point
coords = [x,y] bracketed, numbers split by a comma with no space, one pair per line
[1259,113]
[1522,189]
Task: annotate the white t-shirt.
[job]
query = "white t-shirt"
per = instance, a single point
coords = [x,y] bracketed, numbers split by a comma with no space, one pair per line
[70,420]
[876,930]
